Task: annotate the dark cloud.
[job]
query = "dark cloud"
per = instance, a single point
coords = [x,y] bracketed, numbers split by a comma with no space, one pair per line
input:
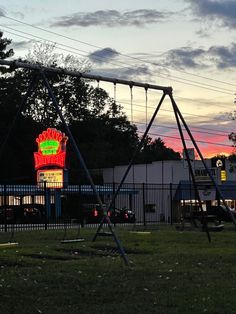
[222,57]
[2,13]
[140,72]
[223,11]
[185,57]
[103,55]
[112,18]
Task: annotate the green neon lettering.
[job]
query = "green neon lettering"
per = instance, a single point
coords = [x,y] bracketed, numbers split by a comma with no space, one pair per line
[49,147]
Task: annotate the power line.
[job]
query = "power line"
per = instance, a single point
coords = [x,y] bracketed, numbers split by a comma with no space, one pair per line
[121,54]
[53,42]
[120,102]
[178,138]
[121,63]
[175,128]
[171,111]
[176,79]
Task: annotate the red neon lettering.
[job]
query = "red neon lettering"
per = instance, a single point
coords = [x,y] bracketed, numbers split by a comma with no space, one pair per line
[49,160]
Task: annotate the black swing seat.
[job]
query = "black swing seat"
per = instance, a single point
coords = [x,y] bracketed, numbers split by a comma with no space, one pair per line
[77,238]
[72,240]
[215,228]
[105,234]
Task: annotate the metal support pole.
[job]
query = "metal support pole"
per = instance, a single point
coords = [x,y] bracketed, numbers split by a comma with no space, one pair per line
[171,203]
[5,206]
[144,203]
[18,64]
[105,217]
[137,149]
[204,222]
[203,161]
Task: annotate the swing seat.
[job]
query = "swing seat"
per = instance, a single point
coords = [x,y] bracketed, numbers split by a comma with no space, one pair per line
[72,240]
[8,245]
[105,234]
[216,228]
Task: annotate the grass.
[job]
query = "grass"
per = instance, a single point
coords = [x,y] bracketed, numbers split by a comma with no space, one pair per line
[169,272]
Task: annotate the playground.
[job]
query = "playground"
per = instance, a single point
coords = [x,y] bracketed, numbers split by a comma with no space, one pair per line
[134,269]
[169,271]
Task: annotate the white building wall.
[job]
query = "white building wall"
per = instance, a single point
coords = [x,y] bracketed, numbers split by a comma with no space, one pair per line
[161,173]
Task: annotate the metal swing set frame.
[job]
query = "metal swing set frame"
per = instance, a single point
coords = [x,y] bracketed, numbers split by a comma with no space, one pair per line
[40,72]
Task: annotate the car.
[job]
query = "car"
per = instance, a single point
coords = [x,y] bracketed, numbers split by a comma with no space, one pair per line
[93,213]
[25,213]
[7,214]
[123,215]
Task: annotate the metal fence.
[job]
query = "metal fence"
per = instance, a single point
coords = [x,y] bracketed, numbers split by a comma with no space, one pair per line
[41,206]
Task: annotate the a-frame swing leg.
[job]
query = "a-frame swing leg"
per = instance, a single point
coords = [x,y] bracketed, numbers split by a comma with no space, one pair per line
[204,221]
[130,165]
[80,158]
[204,163]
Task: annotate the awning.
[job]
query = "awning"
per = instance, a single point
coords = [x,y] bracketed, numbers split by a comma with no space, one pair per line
[228,190]
[186,191]
[207,192]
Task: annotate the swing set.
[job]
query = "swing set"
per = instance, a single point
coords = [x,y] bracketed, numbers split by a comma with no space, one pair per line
[41,73]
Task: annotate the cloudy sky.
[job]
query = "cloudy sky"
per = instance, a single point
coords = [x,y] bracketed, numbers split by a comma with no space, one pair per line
[187,44]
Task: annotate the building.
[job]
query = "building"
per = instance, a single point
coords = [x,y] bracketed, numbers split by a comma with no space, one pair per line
[165,187]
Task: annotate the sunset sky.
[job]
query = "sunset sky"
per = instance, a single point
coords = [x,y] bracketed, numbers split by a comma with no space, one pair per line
[187,44]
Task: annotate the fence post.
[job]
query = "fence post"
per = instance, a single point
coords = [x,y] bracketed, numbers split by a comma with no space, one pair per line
[144,214]
[5,206]
[171,204]
[46,203]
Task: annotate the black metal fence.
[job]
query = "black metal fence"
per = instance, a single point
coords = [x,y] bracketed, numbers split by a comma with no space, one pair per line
[52,206]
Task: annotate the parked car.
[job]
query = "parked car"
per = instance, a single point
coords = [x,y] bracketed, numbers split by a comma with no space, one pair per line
[25,213]
[93,213]
[123,215]
[7,214]
[33,213]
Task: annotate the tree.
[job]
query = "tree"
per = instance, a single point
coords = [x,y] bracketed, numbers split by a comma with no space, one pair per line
[232,137]
[4,42]
[154,150]
[15,138]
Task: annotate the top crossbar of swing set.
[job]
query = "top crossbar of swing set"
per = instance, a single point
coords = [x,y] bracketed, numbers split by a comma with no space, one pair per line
[18,64]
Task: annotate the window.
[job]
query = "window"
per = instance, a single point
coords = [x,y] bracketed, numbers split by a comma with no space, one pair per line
[150,208]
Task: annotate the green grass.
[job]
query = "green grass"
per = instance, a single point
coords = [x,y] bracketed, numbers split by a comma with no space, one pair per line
[169,272]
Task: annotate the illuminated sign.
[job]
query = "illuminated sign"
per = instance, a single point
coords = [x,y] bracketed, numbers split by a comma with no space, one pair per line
[51,149]
[54,178]
[223,175]
[49,160]
[202,174]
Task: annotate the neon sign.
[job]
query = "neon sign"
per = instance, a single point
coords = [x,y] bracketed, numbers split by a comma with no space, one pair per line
[51,149]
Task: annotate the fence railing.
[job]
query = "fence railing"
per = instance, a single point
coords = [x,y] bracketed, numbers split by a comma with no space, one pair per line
[41,206]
